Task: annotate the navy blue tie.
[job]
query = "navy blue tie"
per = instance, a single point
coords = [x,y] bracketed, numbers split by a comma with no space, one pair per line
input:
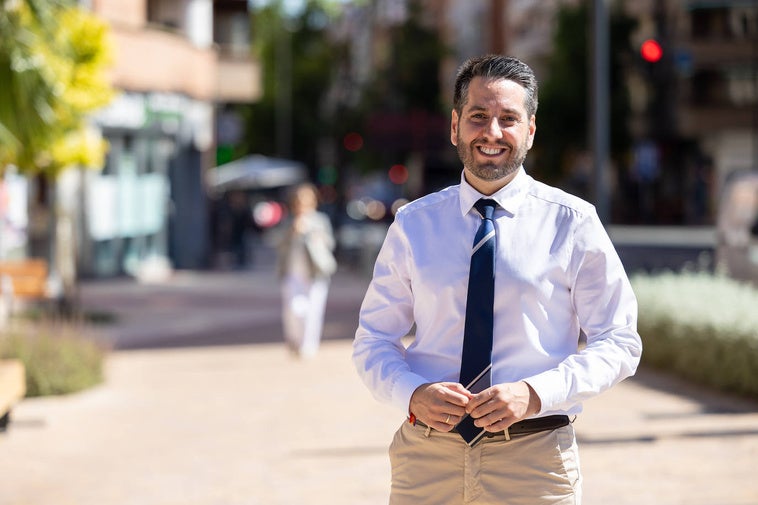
[476,360]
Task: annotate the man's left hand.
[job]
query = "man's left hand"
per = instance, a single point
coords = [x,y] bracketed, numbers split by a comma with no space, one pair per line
[499,406]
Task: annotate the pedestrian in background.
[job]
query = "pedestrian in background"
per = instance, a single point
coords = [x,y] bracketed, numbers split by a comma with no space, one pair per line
[306,264]
[495,371]
[234,230]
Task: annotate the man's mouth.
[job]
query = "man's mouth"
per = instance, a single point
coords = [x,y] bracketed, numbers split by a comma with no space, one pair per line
[490,151]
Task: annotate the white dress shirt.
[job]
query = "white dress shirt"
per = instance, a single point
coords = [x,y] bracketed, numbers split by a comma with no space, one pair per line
[556,273]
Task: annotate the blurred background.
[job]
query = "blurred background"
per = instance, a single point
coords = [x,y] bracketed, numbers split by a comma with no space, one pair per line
[144,136]
[147,148]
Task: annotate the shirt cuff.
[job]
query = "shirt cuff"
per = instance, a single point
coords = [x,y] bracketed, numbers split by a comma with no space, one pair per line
[404,388]
[548,386]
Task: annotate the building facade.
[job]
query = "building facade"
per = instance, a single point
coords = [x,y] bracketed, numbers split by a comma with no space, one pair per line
[176,63]
[696,107]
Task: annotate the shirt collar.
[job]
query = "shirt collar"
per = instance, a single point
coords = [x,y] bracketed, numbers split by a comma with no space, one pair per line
[508,197]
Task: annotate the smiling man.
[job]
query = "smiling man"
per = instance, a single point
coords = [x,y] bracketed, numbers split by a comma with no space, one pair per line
[493,126]
[500,275]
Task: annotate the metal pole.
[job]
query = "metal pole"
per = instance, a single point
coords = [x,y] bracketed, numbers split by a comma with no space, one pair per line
[600,106]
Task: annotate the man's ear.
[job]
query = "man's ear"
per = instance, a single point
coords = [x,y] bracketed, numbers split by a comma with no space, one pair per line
[454,128]
[532,130]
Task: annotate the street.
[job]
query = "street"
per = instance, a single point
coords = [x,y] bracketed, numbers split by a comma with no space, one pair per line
[202,405]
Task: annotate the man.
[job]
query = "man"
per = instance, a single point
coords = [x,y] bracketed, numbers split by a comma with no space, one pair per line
[556,276]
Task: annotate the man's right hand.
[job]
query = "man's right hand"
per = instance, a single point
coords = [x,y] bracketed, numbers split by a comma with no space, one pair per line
[440,405]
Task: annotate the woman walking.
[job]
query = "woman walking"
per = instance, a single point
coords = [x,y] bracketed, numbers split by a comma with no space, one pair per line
[306,264]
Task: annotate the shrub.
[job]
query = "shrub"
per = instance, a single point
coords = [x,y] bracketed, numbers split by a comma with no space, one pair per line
[59,357]
[701,327]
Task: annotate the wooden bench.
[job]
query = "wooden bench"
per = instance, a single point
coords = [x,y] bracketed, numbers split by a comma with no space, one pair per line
[24,279]
[12,388]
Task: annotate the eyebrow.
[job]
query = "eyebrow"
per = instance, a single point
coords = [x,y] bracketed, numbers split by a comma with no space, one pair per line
[477,108]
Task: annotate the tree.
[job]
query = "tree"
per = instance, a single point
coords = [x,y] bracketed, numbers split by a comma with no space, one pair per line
[405,115]
[53,58]
[298,58]
[27,91]
[304,59]
[53,61]
[563,117]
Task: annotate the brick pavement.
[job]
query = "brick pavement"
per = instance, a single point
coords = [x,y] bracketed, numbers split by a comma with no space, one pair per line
[217,413]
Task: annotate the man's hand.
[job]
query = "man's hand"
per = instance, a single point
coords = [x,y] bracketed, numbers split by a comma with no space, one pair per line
[440,405]
[498,407]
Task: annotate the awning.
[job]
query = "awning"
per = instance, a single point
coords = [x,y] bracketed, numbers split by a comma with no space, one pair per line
[255,172]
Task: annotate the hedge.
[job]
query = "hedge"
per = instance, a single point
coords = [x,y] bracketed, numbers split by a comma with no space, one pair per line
[59,357]
[701,327]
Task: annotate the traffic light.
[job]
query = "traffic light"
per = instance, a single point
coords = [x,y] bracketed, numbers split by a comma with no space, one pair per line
[651,51]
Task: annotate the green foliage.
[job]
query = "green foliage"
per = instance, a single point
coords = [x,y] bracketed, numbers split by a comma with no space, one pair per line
[410,79]
[563,119]
[53,58]
[297,52]
[59,357]
[405,90]
[326,103]
[26,93]
[701,327]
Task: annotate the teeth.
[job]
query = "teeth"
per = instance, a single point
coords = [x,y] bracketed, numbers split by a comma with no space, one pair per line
[487,150]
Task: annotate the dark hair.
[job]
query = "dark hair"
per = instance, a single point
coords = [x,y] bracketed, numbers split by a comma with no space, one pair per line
[495,66]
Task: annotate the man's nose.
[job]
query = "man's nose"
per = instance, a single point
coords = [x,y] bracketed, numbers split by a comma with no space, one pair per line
[493,129]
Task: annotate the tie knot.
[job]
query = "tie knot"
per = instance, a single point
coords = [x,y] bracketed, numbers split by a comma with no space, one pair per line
[486,207]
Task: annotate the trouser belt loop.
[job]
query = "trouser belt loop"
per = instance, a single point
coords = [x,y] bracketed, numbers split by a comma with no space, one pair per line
[526,427]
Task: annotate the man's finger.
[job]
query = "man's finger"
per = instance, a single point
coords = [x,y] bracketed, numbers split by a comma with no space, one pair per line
[456,394]
[480,399]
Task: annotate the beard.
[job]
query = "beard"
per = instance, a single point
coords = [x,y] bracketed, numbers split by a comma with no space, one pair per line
[491,170]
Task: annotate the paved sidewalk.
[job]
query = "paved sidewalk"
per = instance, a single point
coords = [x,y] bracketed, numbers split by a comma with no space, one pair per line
[203,406]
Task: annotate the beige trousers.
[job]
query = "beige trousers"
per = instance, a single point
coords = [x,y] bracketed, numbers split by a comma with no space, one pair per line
[440,469]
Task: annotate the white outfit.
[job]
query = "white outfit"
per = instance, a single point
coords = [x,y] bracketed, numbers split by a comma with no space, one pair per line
[556,273]
[304,289]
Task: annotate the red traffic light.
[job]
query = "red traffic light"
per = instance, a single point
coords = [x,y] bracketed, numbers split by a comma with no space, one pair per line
[651,51]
